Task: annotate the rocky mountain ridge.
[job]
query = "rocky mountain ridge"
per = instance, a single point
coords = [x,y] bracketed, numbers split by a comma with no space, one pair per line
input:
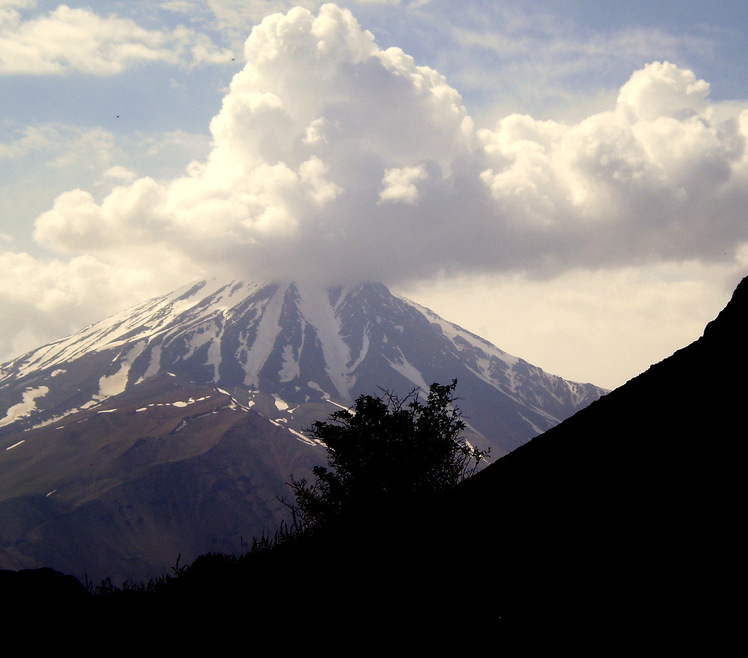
[301,344]
[173,427]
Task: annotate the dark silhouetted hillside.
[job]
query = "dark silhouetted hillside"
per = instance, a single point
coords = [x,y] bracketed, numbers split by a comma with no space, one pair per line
[625,520]
[620,527]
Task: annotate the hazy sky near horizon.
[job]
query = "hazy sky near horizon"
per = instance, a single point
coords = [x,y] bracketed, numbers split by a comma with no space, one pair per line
[567,179]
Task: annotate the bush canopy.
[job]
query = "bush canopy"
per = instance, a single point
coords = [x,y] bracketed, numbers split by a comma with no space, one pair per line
[386,450]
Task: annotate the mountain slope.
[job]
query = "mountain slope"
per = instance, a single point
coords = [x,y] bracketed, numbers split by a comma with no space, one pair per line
[618,529]
[122,490]
[300,344]
[626,519]
[173,427]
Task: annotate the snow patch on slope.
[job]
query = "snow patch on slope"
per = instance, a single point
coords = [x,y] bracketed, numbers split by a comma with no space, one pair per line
[154,365]
[290,369]
[409,371]
[364,351]
[25,407]
[114,384]
[254,358]
[280,405]
[314,305]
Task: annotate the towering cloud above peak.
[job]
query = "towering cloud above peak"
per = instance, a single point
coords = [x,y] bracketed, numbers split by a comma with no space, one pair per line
[336,159]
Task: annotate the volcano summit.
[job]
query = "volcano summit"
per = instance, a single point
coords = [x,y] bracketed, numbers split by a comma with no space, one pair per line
[300,345]
[173,426]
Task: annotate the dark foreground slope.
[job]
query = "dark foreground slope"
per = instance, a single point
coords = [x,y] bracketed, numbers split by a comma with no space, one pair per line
[625,521]
[620,527]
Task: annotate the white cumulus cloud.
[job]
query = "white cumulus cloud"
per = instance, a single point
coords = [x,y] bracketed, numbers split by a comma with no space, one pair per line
[337,159]
[72,39]
[399,184]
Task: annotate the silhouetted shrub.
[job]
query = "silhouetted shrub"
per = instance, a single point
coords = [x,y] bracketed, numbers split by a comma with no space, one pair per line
[387,449]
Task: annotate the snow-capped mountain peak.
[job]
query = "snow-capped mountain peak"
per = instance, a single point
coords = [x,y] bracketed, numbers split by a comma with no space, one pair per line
[298,342]
[174,426]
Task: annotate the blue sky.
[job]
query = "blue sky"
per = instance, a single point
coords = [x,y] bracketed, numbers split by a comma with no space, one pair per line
[567,179]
